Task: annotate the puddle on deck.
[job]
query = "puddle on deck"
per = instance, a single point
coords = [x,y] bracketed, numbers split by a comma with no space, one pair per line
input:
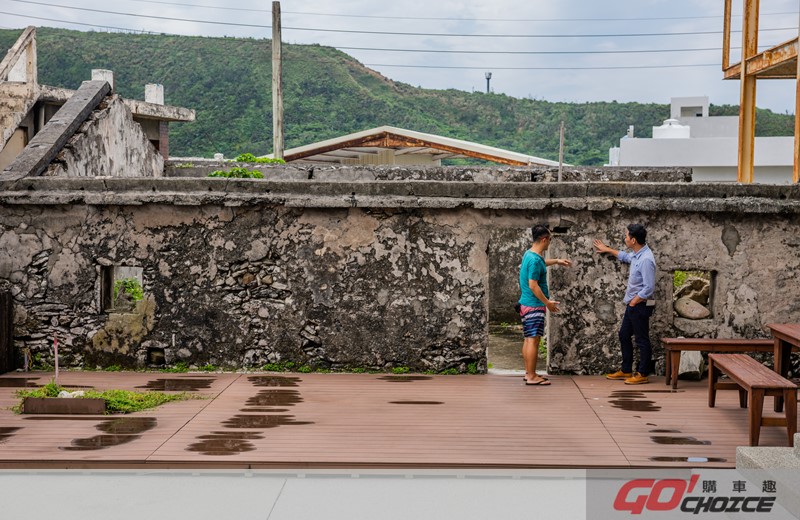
[274,380]
[629,400]
[18,382]
[404,379]
[225,443]
[270,398]
[117,431]
[687,459]
[6,432]
[265,401]
[261,421]
[678,440]
[416,402]
[178,384]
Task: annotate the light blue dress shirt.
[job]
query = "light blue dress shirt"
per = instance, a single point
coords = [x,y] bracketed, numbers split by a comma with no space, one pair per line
[642,278]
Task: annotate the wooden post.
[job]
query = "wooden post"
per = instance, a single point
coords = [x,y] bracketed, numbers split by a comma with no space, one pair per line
[747,101]
[561,151]
[796,168]
[277,83]
[726,36]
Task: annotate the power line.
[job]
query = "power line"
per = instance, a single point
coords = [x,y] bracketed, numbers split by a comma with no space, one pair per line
[83,24]
[454,19]
[432,51]
[438,51]
[492,67]
[391,33]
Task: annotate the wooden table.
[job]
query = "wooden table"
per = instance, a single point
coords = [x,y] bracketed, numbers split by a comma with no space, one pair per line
[786,335]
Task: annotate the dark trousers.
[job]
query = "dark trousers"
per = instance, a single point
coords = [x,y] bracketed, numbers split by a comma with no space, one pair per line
[636,322]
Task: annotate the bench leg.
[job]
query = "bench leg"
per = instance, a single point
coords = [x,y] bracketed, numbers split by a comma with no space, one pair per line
[756,406]
[742,398]
[675,365]
[790,397]
[667,367]
[712,384]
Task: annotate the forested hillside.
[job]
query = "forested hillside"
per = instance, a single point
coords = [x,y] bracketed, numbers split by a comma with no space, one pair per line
[327,94]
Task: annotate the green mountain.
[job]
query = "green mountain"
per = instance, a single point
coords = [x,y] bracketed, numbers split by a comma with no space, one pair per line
[328,94]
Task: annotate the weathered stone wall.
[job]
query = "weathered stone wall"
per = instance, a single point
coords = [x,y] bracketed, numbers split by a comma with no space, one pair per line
[374,274]
[108,143]
[246,286]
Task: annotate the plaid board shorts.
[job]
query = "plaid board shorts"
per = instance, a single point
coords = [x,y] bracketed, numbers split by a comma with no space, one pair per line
[533,321]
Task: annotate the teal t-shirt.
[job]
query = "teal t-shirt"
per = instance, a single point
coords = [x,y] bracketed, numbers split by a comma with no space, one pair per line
[533,268]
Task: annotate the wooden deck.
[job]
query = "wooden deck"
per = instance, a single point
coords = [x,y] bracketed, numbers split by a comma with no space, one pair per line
[378,421]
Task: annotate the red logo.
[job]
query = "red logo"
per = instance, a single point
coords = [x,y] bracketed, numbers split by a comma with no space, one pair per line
[655,495]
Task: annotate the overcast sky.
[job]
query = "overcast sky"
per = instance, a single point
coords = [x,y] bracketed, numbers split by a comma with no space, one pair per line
[472,34]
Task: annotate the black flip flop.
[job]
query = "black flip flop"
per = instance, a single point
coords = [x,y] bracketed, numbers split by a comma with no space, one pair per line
[543,382]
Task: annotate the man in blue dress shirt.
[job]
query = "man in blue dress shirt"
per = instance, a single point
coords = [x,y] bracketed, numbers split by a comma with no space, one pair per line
[639,304]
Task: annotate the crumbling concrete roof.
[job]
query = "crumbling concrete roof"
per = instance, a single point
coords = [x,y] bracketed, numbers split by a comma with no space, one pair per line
[139,108]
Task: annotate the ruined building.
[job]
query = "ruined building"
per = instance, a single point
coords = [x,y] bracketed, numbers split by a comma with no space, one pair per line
[129,262]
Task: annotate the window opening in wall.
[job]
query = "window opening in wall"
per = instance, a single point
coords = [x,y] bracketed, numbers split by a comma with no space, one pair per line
[693,293]
[155,356]
[120,288]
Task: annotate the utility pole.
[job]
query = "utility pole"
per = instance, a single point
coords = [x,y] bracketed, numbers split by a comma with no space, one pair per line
[561,151]
[488,77]
[277,83]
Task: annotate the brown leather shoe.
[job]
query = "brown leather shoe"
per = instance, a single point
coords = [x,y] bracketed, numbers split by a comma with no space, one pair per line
[619,374]
[637,379]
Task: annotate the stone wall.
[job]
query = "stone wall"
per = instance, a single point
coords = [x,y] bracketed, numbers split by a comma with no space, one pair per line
[373,274]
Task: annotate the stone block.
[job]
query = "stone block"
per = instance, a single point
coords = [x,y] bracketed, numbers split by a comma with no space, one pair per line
[692,365]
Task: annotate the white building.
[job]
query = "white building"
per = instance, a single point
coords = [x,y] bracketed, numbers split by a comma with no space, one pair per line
[708,145]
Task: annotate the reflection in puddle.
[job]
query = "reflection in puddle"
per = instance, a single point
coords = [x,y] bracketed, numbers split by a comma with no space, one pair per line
[61,418]
[262,421]
[687,459]
[403,379]
[17,382]
[178,385]
[127,425]
[118,431]
[275,398]
[416,402]
[266,401]
[665,431]
[274,380]
[677,440]
[629,400]
[98,442]
[225,443]
[7,432]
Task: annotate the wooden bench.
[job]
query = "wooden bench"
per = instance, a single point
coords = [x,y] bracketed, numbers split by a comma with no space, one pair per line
[674,346]
[754,381]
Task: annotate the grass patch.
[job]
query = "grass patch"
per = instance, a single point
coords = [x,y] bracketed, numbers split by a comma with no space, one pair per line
[179,367]
[117,401]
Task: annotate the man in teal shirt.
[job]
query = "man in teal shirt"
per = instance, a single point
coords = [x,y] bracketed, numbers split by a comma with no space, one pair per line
[535,301]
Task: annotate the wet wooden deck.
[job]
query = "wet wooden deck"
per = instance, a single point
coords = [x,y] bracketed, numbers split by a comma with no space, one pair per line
[368,420]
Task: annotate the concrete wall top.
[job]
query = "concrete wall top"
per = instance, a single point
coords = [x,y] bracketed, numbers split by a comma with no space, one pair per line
[594,196]
[299,170]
